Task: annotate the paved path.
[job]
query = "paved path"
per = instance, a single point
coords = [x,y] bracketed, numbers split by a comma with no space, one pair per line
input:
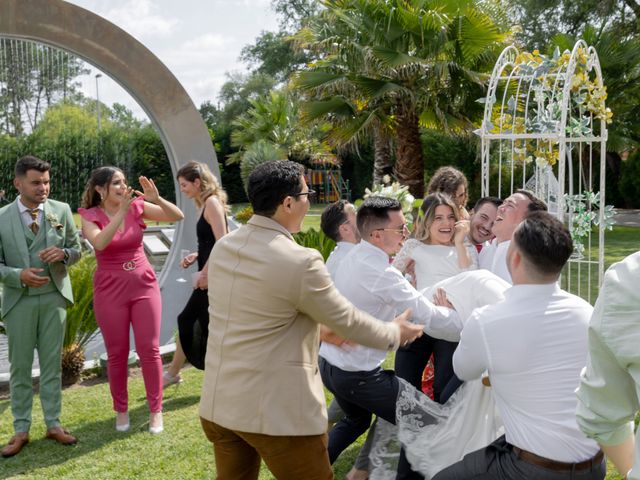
[627,218]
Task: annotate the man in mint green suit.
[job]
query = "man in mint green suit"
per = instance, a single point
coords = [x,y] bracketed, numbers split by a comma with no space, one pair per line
[38,241]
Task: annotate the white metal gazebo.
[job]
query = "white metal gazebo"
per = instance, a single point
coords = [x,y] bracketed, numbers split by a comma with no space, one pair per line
[545,130]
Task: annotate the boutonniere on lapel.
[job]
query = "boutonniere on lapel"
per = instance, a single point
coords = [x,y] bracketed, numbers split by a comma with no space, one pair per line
[52,218]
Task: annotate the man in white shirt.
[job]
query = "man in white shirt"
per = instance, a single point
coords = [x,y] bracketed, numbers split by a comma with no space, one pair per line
[483,216]
[366,278]
[513,210]
[338,222]
[533,345]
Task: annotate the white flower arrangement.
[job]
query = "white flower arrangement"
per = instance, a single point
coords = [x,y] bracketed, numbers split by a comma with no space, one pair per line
[394,190]
[52,218]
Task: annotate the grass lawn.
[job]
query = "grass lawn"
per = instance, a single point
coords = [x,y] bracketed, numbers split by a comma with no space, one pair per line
[180,452]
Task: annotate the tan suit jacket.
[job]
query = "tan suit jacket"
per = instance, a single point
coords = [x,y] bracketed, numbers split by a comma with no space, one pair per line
[267,297]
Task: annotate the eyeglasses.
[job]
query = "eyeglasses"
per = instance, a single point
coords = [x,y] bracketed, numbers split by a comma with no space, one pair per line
[310,193]
[401,229]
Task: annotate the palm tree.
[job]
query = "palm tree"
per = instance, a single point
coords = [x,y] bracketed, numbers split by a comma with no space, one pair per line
[270,129]
[394,65]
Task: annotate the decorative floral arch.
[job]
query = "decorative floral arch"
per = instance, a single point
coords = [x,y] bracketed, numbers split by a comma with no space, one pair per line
[545,129]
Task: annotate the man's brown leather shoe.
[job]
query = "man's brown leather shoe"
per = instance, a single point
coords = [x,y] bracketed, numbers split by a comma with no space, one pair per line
[61,435]
[17,442]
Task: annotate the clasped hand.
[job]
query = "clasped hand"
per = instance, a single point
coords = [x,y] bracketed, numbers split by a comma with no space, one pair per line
[29,276]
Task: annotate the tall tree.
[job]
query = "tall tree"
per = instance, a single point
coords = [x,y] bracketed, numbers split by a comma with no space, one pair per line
[409,61]
[541,20]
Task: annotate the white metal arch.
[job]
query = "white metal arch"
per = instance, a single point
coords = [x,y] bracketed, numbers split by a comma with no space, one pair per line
[539,123]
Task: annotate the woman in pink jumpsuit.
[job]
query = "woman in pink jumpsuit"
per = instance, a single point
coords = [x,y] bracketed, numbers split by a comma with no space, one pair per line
[126,293]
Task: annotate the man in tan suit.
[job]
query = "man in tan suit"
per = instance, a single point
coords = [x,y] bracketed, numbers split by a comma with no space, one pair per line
[262,395]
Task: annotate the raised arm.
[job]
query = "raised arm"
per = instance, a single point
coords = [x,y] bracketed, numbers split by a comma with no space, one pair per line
[157,208]
[464,256]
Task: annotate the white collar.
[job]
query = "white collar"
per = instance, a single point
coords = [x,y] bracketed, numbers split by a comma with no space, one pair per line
[23,208]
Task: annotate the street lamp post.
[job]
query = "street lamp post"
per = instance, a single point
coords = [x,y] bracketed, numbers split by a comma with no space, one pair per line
[98,75]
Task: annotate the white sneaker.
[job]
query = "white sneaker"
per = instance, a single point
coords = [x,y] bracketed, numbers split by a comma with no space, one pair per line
[158,427]
[122,427]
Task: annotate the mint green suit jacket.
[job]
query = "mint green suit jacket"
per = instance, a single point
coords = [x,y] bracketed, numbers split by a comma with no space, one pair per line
[14,252]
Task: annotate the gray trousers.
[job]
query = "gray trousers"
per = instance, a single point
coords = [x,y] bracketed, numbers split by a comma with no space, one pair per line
[499,461]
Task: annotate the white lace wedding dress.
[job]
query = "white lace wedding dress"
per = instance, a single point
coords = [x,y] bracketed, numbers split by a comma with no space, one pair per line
[434,436]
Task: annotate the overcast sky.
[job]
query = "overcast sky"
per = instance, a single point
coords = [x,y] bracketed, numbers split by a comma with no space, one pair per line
[198,40]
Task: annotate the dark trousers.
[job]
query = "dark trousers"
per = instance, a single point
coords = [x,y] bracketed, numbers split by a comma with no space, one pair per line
[360,395]
[499,461]
[412,360]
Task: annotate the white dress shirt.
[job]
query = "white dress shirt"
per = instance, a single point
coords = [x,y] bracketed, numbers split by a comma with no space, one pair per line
[534,345]
[367,280]
[336,256]
[493,257]
[433,262]
[25,214]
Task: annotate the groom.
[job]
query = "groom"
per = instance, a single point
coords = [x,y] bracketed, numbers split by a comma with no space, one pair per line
[38,241]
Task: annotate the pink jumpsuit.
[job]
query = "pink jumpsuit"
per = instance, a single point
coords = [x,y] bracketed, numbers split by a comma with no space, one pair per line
[126,294]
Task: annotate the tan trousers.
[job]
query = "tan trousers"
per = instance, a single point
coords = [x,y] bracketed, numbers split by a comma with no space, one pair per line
[238,454]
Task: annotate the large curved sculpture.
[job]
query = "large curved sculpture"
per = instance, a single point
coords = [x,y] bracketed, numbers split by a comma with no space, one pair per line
[149,81]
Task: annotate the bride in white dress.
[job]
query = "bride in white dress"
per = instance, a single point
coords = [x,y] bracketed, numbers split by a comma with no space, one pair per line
[434,435]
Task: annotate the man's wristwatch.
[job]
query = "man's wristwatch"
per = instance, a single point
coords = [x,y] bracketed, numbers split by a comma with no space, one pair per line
[66,255]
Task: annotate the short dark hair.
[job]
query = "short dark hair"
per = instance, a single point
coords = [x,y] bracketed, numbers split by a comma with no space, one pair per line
[536,204]
[270,183]
[544,241]
[484,200]
[332,217]
[29,162]
[374,213]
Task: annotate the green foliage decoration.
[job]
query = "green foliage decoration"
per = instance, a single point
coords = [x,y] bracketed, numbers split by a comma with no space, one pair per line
[81,325]
[313,238]
[244,215]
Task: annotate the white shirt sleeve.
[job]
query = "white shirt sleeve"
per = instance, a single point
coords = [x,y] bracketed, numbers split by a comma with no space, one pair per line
[470,358]
[439,322]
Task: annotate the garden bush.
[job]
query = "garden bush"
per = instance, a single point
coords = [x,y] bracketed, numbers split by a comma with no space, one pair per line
[313,238]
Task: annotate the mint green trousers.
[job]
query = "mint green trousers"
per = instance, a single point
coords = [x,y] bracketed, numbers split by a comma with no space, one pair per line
[36,323]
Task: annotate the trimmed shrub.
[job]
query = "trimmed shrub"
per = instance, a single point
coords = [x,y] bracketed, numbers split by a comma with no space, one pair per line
[316,239]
